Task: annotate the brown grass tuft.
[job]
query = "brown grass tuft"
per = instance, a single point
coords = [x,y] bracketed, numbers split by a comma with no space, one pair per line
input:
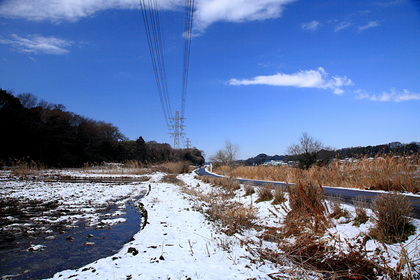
[249,189]
[171,179]
[179,167]
[279,195]
[336,210]
[265,193]
[392,213]
[360,206]
[308,211]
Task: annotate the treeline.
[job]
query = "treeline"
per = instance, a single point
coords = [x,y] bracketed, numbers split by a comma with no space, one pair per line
[325,156]
[394,148]
[45,132]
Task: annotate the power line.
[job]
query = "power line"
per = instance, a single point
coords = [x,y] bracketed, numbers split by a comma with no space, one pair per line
[189,12]
[153,30]
[151,21]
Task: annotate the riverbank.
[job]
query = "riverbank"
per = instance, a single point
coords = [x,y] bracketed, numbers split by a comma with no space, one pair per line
[177,243]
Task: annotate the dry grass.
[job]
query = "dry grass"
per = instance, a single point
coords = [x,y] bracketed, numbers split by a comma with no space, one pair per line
[265,192]
[336,210]
[279,195]
[360,206]
[308,211]
[228,184]
[221,206]
[25,168]
[301,238]
[390,173]
[171,179]
[249,189]
[316,255]
[179,167]
[392,214]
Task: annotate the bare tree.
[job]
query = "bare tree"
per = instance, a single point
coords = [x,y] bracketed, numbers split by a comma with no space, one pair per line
[28,100]
[306,152]
[227,155]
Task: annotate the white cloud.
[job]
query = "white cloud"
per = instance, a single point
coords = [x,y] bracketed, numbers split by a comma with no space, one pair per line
[391,96]
[303,79]
[211,11]
[207,11]
[313,25]
[59,10]
[369,25]
[342,26]
[37,44]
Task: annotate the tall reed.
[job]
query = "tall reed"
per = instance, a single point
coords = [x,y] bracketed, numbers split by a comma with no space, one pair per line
[390,173]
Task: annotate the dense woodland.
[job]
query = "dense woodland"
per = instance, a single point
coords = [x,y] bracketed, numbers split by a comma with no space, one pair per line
[37,130]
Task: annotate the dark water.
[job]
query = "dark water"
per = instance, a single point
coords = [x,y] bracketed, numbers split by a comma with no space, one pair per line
[63,253]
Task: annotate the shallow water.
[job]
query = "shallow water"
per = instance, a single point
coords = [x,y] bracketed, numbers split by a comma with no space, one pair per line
[62,252]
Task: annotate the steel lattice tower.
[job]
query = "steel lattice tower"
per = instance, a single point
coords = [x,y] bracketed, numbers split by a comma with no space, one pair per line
[177,125]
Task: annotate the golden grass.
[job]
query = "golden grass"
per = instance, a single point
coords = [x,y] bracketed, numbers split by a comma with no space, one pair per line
[179,167]
[25,168]
[390,173]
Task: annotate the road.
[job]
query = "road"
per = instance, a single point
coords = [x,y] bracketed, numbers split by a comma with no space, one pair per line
[346,194]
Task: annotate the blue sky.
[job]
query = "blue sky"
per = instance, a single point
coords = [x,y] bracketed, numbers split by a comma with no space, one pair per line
[261,72]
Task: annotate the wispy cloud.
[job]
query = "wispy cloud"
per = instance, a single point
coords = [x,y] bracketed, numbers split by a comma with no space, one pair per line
[371,24]
[303,79]
[311,26]
[60,10]
[392,96]
[342,25]
[207,11]
[37,44]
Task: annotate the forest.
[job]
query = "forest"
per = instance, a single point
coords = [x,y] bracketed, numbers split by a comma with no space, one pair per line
[37,130]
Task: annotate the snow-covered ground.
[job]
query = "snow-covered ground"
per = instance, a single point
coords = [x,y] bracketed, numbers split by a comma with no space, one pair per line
[178,241]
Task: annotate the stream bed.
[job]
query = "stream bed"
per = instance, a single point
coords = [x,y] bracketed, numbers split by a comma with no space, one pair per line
[47,227]
[66,249]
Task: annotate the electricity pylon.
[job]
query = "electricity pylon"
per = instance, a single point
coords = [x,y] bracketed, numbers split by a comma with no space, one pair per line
[177,125]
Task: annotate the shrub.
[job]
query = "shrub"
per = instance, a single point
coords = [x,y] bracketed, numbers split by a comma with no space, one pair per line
[264,193]
[392,213]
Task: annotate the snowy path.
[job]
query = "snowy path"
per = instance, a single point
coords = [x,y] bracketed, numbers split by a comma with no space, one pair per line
[177,243]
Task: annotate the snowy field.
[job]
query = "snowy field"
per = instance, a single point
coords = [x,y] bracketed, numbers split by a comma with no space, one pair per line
[178,241]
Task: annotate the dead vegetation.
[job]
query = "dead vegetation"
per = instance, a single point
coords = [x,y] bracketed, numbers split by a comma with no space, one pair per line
[26,168]
[302,238]
[265,193]
[389,173]
[392,214]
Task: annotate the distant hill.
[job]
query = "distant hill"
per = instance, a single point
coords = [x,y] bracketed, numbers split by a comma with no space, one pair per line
[261,158]
[352,152]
